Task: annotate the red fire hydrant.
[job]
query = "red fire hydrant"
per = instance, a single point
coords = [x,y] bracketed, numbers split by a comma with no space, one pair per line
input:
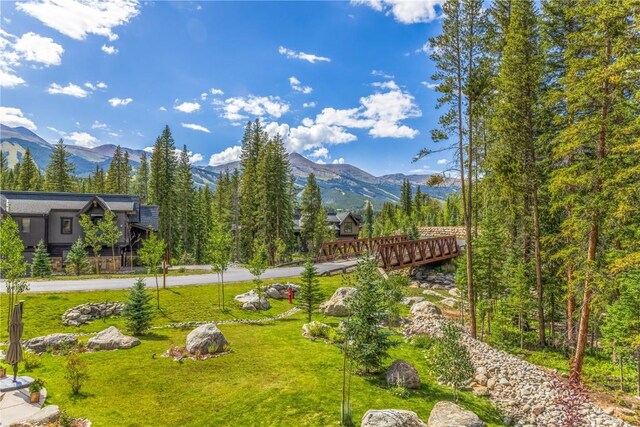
[290,295]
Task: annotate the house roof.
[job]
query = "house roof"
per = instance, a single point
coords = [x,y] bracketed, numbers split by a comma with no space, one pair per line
[41,203]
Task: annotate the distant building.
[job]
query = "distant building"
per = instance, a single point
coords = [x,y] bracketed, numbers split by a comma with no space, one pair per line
[54,218]
[344,225]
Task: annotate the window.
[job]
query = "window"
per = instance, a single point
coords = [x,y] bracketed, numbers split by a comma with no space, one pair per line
[26,225]
[348,227]
[66,225]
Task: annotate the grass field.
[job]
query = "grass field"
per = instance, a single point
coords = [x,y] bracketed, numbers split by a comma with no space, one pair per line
[272,377]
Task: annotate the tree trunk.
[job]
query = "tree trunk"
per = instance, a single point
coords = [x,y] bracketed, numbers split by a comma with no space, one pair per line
[538,261]
[157,289]
[222,281]
[571,307]
[621,373]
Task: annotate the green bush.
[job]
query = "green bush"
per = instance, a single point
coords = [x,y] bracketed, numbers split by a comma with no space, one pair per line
[422,341]
[75,372]
[318,330]
[31,360]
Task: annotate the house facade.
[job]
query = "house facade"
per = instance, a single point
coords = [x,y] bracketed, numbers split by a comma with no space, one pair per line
[54,218]
[344,225]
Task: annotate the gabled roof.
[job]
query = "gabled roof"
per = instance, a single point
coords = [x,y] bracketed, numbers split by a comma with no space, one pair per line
[95,200]
[41,203]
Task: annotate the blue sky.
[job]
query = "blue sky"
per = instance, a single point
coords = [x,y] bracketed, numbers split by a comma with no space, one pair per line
[340,81]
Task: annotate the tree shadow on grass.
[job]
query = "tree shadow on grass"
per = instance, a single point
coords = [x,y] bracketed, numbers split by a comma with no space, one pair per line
[154,337]
[81,396]
[173,291]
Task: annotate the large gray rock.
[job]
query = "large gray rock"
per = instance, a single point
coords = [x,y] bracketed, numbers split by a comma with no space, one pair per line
[47,414]
[206,339]
[50,342]
[411,300]
[391,418]
[281,290]
[251,301]
[112,339]
[448,414]
[403,374]
[424,309]
[337,305]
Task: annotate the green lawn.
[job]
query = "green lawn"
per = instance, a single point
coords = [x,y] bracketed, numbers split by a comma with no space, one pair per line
[108,276]
[272,377]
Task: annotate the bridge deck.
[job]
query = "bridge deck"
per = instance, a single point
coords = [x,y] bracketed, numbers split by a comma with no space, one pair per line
[393,252]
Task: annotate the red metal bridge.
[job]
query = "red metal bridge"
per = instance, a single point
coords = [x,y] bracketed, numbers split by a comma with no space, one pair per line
[393,252]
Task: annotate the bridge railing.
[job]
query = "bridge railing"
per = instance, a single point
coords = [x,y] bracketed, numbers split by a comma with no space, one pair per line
[344,249]
[412,253]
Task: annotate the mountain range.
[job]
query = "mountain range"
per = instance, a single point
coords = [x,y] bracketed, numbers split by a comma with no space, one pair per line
[342,185]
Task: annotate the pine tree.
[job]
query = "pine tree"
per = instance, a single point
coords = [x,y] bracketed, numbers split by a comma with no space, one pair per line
[369,343]
[310,215]
[369,221]
[406,198]
[29,173]
[184,194]
[114,182]
[310,295]
[162,185]
[77,261]
[41,264]
[125,173]
[138,313]
[98,185]
[141,185]
[253,142]
[5,183]
[60,170]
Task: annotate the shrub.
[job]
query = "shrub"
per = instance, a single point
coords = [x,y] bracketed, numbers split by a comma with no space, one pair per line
[399,391]
[31,360]
[449,359]
[318,330]
[41,265]
[422,341]
[77,260]
[138,312]
[310,295]
[75,372]
[36,386]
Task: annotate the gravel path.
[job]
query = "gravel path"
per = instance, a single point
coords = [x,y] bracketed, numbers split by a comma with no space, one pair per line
[525,393]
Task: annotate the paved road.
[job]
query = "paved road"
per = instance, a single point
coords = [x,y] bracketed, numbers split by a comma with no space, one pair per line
[235,274]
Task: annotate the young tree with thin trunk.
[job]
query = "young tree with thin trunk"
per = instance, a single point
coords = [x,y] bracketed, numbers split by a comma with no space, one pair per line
[151,254]
[110,234]
[219,248]
[92,238]
[12,263]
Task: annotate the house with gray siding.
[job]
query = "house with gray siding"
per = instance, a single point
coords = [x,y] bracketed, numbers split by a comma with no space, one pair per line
[54,218]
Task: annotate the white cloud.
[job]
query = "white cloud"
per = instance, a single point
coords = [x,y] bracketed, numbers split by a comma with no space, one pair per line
[13,117]
[101,85]
[148,149]
[321,162]
[109,50]
[78,19]
[117,102]
[289,53]
[195,127]
[187,107]
[98,125]
[382,74]
[442,161]
[230,154]
[339,161]
[203,96]
[82,139]
[298,87]
[309,104]
[70,90]
[308,135]
[35,48]
[9,79]
[406,12]
[320,152]
[255,106]
[215,91]
[429,85]
[391,85]
[163,109]
[195,157]
[387,110]
[89,85]
[114,134]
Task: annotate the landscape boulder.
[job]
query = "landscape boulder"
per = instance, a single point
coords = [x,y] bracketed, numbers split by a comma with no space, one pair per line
[112,339]
[411,300]
[448,414]
[337,305]
[391,418]
[206,339]
[281,290]
[251,301]
[86,313]
[50,342]
[425,309]
[403,374]
[315,329]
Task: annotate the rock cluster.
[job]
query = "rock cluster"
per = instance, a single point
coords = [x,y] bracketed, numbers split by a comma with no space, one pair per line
[50,342]
[411,300]
[251,301]
[281,290]
[112,339]
[206,339]
[85,313]
[403,374]
[315,329]
[424,309]
[337,305]
[527,394]
[428,278]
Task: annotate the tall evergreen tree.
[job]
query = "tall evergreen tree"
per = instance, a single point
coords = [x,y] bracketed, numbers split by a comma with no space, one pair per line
[29,174]
[141,184]
[312,223]
[184,198]
[162,185]
[115,179]
[253,142]
[310,295]
[60,170]
[369,221]
[98,184]
[406,200]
